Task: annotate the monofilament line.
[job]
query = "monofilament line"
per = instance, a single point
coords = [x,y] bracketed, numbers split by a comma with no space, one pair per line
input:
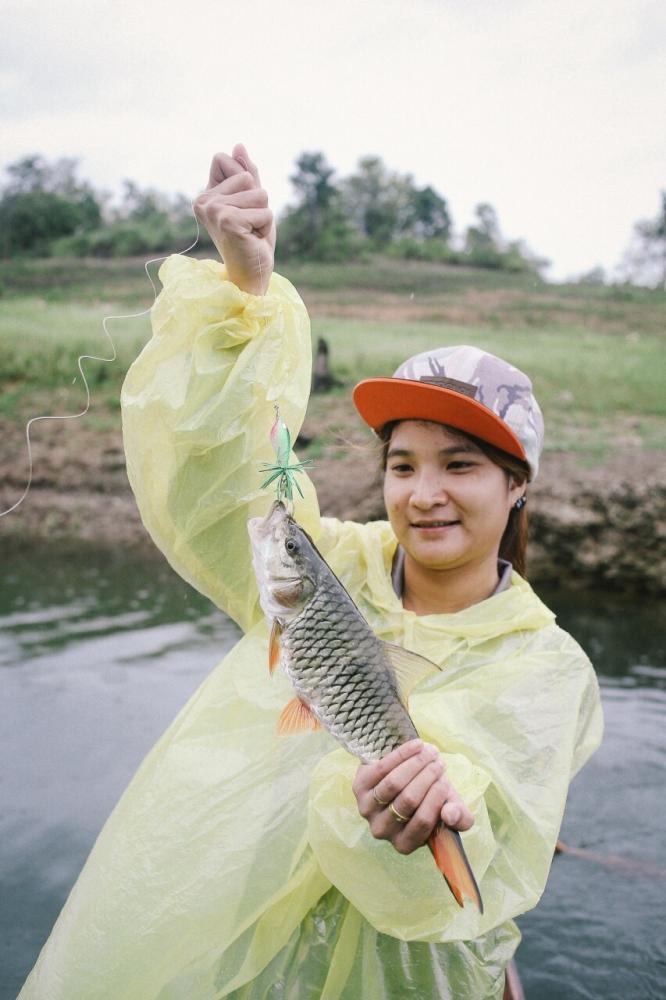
[93,357]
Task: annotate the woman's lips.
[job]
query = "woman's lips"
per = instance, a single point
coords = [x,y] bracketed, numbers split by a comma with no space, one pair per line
[433,525]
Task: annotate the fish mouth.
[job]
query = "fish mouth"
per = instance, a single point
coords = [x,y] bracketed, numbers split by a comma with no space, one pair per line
[271,524]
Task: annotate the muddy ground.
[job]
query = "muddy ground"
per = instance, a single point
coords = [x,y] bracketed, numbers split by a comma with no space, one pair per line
[602,526]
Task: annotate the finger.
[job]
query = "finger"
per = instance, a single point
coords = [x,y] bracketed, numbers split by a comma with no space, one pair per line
[456,815]
[240,153]
[242,181]
[427,816]
[369,775]
[261,220]
[407,836]
[416,833]
[410,799]
[223,166]
[253,198]
[236,196]
[241,221]
[394,784]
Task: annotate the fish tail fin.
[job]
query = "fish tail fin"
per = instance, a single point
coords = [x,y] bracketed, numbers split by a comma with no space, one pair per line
[450,857]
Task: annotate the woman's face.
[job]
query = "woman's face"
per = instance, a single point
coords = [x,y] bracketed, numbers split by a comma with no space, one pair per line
[447,502]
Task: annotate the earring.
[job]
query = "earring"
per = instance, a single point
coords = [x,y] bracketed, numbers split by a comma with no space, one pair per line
[520,502]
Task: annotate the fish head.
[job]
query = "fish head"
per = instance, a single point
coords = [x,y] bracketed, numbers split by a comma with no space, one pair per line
[284,563]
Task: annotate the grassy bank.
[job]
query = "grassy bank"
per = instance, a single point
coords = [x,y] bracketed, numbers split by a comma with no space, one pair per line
[595,354]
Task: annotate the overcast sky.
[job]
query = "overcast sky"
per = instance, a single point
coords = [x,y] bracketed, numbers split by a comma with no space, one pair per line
[551,110]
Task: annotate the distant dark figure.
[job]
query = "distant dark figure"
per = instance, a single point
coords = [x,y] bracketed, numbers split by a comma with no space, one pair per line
[322,380]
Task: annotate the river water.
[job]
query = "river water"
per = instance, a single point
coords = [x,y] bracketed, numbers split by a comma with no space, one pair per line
[97,654]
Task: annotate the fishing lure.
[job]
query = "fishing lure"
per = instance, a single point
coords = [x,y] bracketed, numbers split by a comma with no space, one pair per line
[282,471]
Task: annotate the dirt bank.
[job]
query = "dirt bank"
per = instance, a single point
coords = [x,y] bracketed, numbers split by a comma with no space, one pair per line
[601,527]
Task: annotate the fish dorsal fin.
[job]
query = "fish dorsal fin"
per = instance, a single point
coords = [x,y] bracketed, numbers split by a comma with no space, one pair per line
[409,668]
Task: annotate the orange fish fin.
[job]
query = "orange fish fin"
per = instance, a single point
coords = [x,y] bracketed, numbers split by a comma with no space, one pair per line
[297,717]
[450,857]
[274,648]
[409,668]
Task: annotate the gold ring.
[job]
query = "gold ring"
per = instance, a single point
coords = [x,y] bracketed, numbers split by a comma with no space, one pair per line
[380,802]
[400,818]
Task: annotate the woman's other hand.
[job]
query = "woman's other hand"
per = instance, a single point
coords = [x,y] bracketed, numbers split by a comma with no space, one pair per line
[412,780]
[234,209]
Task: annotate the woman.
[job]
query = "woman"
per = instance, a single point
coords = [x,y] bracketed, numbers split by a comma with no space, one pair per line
[243,864]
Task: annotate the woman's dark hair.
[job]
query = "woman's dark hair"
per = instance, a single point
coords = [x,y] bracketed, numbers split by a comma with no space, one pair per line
[513,545]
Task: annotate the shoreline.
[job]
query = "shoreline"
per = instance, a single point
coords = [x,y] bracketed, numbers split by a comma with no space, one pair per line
[597,510]
[601,527]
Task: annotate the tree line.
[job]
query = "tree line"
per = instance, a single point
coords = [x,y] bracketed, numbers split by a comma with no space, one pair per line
[377,210]
[46,210]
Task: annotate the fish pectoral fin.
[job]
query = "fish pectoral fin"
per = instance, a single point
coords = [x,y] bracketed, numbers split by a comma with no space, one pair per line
[297,717]
[274,647]
[450,857]
[409,668]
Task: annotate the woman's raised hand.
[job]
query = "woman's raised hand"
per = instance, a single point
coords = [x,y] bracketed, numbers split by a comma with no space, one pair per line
[234,209]
[410,779]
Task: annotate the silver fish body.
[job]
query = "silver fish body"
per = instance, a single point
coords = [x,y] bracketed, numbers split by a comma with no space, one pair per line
[340,669]
[337,665]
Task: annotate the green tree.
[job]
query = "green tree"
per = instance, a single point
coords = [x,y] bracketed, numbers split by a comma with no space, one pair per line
[27,175]
[379,202]
[316,227]
[430,217]
[140,205]
[645,260]
[485,234]
[42,202]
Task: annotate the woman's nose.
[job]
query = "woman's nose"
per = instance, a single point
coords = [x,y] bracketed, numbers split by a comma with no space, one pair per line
[427,491]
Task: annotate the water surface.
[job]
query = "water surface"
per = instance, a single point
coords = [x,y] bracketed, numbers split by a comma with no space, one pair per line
[98,654]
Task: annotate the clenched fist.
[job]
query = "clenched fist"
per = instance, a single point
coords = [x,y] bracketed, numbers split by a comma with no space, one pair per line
[404,796]
[234,209]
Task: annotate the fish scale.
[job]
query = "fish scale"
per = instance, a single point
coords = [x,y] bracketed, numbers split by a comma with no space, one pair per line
[338,667]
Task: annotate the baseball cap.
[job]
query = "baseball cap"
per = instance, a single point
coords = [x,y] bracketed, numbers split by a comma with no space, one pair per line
[466,388]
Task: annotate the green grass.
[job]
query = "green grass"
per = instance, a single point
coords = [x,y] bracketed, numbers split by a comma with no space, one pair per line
[594,387]
[40,343]
[63,280]
[569,366]
[384,274]
[595,355]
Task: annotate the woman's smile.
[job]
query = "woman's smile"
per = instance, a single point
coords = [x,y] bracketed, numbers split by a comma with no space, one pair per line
[433,526]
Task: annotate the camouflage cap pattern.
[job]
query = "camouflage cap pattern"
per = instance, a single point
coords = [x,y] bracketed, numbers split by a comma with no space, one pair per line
[470,374]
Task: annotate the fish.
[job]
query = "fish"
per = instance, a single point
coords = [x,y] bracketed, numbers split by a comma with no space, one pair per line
[346,679]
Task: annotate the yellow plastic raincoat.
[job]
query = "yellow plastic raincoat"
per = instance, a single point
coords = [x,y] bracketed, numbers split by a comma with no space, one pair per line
[236,863]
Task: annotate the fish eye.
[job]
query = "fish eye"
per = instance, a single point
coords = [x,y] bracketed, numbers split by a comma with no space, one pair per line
[291,546]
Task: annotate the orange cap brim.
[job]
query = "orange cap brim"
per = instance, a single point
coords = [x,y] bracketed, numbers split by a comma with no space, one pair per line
[380,400]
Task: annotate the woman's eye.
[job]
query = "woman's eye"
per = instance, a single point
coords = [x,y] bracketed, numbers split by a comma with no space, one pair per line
[403,467]
[457,466]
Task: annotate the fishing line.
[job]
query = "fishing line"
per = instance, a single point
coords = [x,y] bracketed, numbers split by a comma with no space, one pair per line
[92,357]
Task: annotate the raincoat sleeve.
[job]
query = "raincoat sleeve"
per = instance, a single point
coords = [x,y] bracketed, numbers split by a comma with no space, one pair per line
[197,407]
[512,733]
